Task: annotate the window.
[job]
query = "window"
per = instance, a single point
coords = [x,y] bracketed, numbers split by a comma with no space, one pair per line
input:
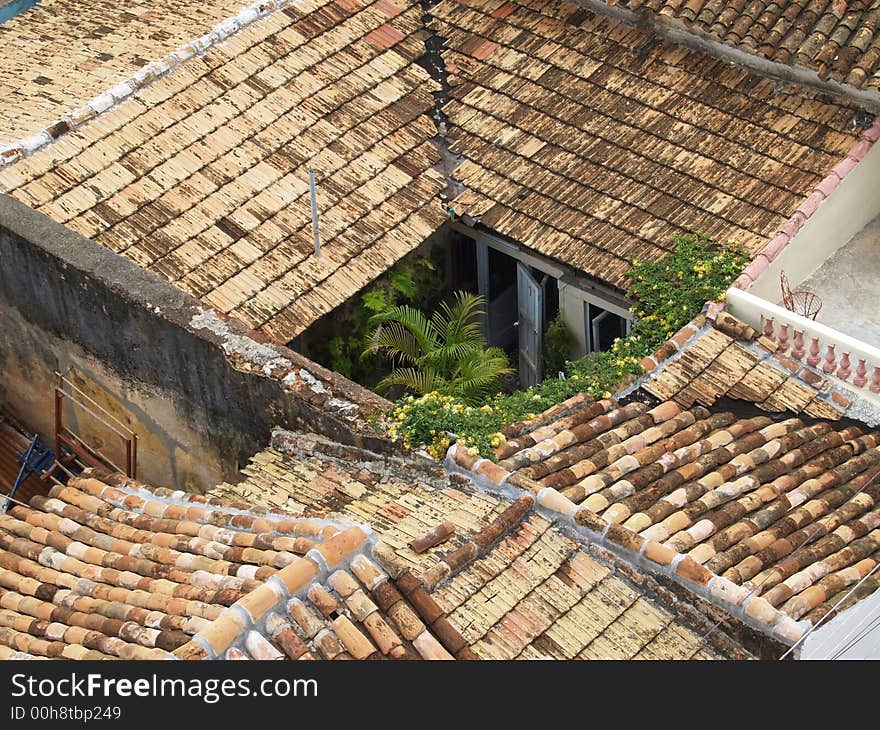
[602,327]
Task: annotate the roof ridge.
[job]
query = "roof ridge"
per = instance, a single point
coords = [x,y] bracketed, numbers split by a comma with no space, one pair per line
[179,507]
[17,150]
[293,443]
[436,638]
[291,580]
[652,555]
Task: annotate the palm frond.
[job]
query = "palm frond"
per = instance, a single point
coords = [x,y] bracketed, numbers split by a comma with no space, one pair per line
[453,352]
[478,376]
[412,379]
[414,320]
[446,353]
[395,341]
[460,322]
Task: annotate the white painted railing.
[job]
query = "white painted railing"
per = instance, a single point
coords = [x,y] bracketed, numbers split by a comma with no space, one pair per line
[841,357]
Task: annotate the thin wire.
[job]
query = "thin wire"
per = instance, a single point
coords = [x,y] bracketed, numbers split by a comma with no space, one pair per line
[830,613]
[854,631]
[858,625]
[869,629]
[853,636]
[14,500]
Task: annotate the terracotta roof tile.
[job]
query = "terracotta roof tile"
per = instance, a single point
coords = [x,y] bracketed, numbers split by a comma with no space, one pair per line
[836,40]
[726,357]
[202,175]
[516,586]
[595,143]
[125,572]
[767,518]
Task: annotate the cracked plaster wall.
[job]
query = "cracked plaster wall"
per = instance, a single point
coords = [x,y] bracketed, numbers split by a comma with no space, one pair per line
[202,394]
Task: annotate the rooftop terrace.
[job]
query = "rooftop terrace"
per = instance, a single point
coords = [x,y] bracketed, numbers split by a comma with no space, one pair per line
[849,285]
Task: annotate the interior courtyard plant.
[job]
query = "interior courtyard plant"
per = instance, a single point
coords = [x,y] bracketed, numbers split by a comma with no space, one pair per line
[444,353]
[666,295]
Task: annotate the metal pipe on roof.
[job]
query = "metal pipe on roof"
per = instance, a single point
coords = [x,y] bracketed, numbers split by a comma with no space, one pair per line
[314,192]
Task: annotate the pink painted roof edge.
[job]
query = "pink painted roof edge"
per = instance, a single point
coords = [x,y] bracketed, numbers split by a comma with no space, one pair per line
[808,207]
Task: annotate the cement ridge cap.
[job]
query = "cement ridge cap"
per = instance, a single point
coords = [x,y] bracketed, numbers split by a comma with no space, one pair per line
[16,150]
[697,39]
[631,547]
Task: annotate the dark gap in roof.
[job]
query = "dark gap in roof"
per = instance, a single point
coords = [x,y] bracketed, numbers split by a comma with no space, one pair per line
[577,17]
[746,409]
[641,396]
[230,228]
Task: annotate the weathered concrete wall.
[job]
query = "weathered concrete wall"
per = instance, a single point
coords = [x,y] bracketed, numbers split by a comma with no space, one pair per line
[851,206]
[202,394]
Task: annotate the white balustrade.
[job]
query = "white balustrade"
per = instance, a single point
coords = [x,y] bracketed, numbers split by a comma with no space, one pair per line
[841,357]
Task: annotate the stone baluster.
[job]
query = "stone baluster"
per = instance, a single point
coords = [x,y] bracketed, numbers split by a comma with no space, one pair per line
[768,328]
[830,360]
[782,344]
[797,351]
[845,368]
[861,374]
[874,387]
[813,358]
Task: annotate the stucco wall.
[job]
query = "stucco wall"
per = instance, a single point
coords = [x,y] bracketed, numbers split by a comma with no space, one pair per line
[847,210]
[202,394]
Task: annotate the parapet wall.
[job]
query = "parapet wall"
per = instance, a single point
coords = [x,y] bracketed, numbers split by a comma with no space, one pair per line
[202,393]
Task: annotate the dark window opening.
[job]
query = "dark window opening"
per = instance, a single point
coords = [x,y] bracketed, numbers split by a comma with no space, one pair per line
[503,307]
[602,327]
[463,264]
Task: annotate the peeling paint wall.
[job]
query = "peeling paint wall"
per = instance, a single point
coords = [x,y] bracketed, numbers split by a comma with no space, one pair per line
[171,451]
[202,394]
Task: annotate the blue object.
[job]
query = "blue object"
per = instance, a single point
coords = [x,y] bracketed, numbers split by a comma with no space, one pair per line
[14,8]
[35,460]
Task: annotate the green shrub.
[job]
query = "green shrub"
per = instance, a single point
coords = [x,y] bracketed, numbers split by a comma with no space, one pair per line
[444,353]
[558,343]
[666,295]
[411,281]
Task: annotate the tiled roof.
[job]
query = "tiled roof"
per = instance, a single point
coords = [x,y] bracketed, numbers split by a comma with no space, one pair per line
[771,519]
[201,175]
[594,142]
[64,52]
[721,356]
[108,568]
[513,584]
[839,39]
